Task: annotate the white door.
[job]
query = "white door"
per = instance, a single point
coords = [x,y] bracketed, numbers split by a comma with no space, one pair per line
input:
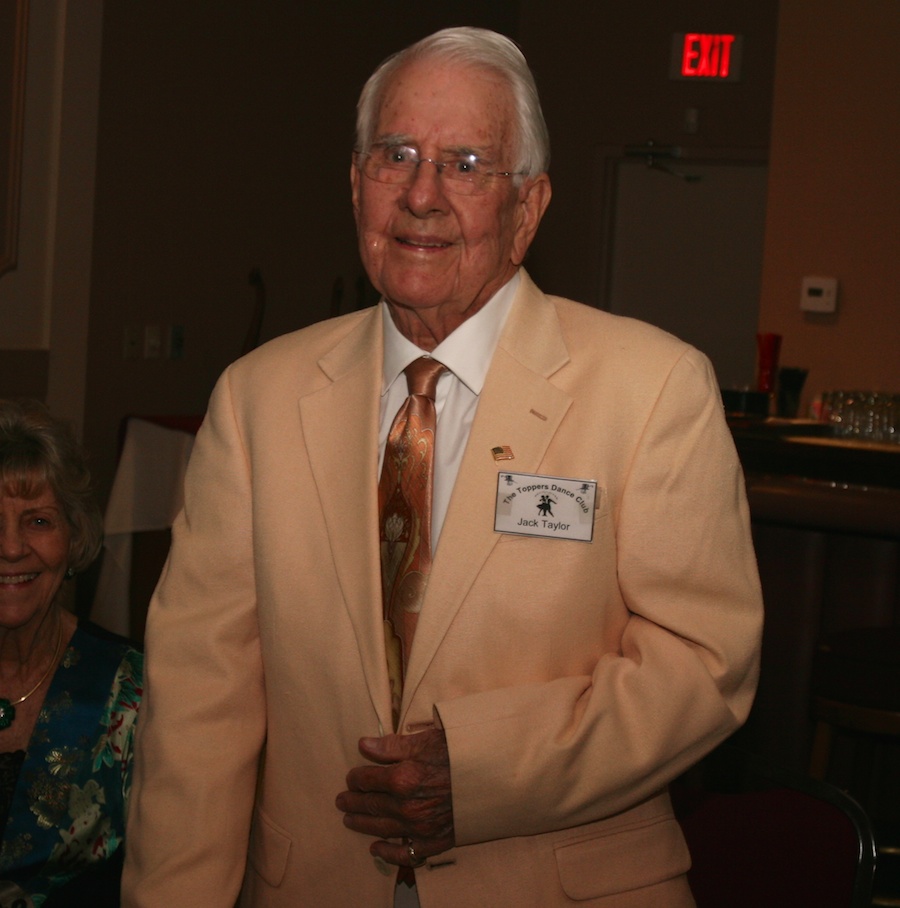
[685,253]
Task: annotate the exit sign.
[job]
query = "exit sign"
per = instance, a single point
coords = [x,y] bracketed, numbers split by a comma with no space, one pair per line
[705,57]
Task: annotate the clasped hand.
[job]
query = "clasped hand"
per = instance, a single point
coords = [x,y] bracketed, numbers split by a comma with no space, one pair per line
[403,794]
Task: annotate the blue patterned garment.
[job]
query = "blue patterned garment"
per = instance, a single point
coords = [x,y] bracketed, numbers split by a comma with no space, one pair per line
[67,817]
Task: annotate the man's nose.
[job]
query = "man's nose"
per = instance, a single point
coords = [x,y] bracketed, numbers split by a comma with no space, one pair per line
[426,191]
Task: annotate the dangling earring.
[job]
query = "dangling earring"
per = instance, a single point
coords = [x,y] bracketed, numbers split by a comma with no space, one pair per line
[70,573]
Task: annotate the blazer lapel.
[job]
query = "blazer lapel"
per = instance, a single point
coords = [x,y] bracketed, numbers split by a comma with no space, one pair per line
[518,407]
[340,423]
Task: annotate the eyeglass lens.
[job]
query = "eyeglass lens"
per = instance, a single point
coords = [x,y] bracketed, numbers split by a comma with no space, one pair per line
[462,172]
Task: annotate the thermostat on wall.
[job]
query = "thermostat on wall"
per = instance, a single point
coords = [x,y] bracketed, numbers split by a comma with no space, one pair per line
[819,294]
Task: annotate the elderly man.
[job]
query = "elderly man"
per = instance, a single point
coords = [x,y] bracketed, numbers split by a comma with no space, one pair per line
[462,581]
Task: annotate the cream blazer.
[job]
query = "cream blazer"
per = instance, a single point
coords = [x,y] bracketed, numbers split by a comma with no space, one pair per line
[574,680]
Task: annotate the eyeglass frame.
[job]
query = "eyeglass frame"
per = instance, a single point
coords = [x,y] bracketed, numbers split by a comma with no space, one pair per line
[479,185]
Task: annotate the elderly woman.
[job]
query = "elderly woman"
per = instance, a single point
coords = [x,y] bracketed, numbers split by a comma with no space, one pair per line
[68,697]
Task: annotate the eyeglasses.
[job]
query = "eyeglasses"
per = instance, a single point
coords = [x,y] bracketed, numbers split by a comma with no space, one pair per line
[462,173]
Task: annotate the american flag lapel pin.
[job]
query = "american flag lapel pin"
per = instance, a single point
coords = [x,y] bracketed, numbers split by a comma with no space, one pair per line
[503,452]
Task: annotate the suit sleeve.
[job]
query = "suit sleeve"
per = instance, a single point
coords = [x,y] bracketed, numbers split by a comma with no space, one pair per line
[191,802]
[555,754]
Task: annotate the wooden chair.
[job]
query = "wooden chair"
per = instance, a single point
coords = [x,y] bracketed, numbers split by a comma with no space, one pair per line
[856,695]
[762,836]
[855,688]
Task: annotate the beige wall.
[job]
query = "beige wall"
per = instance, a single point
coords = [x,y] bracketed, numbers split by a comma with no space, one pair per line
[834,191]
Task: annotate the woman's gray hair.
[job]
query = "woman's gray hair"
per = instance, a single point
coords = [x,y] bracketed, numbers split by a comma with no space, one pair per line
[38,451]
[477,47]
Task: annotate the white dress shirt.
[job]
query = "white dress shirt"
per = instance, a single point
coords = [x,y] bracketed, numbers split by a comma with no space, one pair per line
[467,354]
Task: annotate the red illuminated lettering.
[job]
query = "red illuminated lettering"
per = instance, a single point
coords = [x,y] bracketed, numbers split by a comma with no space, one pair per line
[725,64]
[707,42]
[691,53]
[706,56]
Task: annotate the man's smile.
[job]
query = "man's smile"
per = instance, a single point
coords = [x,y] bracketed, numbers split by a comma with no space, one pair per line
[423,242]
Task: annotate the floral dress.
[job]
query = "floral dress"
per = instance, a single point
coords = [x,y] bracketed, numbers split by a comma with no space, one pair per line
[62,843]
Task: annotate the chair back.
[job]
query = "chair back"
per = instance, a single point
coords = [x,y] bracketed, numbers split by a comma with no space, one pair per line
[760,835]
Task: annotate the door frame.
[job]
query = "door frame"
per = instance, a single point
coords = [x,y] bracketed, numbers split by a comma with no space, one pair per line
[608,162]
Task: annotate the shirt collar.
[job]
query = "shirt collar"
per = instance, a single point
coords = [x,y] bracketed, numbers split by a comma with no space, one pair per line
[467,352]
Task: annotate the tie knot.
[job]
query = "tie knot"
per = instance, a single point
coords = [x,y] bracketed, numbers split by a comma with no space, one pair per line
[422,376]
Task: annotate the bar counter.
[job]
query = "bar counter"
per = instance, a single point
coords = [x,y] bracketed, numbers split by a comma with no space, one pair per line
[826,526]
[808,449]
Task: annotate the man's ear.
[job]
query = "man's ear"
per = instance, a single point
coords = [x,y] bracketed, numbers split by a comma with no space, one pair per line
[354,189]
[534,197]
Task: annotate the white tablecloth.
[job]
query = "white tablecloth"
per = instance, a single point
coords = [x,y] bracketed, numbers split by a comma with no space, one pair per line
[147,494]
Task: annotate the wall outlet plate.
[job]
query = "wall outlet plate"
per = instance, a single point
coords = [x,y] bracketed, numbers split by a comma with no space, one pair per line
[819,294]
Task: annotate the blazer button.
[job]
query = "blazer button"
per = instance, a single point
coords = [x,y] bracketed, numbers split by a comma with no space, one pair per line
[383,867]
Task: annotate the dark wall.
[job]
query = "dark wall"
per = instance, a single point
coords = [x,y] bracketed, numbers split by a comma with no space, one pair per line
[225,131]
[23,373]
[224,137]
[603,73]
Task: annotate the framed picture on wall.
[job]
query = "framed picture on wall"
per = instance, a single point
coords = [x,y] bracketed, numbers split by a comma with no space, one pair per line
[13,32]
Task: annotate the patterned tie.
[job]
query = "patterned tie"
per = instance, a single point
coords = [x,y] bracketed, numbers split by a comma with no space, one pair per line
[404,503]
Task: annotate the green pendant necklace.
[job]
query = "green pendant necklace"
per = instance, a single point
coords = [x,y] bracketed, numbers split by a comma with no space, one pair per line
[8,708]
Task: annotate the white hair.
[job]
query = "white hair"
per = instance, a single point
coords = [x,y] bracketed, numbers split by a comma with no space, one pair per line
[477,47]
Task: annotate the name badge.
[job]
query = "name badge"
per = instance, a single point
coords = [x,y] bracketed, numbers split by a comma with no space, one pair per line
[546,506]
